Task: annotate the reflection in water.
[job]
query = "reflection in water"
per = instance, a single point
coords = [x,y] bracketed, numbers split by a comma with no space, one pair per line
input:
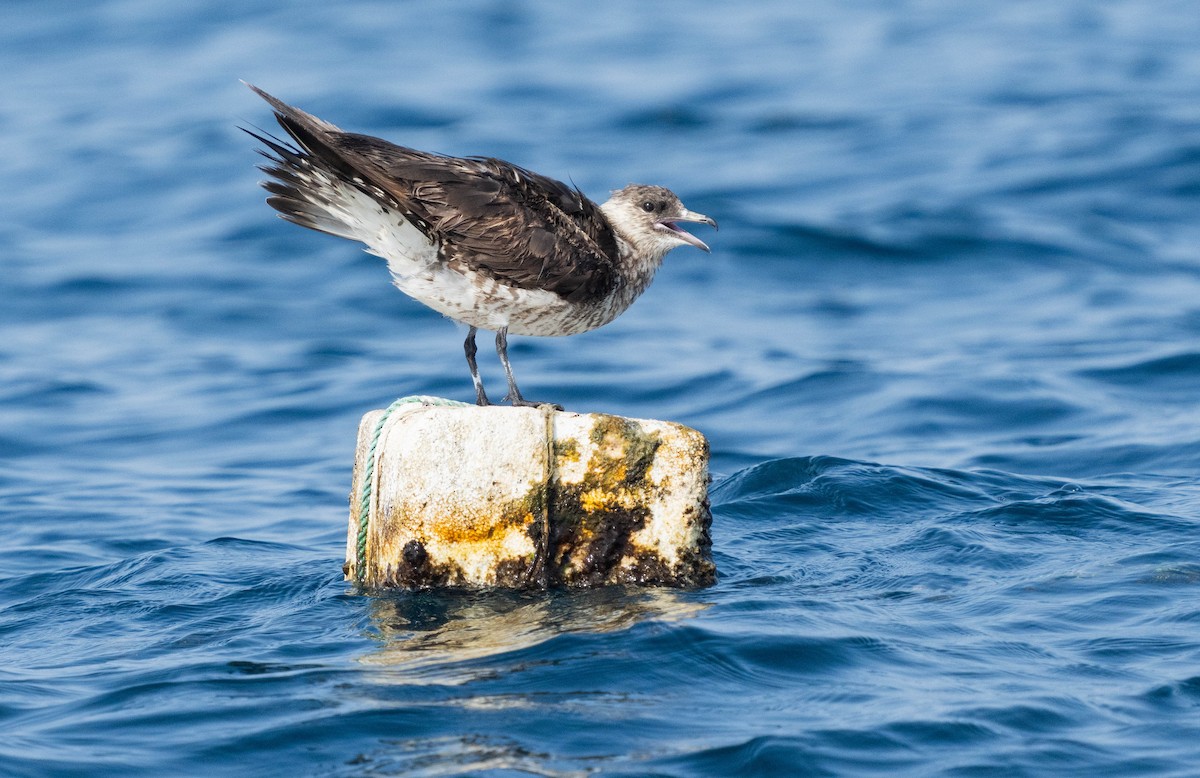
[435,636]
[466,754]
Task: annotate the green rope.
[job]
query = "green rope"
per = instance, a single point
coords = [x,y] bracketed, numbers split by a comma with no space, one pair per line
[366,486]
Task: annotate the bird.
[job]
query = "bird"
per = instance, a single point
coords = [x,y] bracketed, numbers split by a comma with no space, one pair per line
[482,241]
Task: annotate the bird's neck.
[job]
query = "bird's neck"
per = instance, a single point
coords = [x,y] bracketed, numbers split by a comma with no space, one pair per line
[639,256]
[638,265]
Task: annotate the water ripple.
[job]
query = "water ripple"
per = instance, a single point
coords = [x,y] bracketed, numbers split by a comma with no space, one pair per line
[942,351]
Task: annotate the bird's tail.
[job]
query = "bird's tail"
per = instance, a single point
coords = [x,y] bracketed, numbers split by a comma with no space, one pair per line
[303,192]
[313,185]
[310,184]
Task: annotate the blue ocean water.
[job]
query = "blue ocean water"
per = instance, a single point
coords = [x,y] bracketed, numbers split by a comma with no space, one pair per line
[945,350]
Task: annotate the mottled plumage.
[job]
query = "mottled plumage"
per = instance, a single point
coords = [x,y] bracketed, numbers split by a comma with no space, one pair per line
[480,240]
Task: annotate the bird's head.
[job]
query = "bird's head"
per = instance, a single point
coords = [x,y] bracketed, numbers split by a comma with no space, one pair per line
[648,218]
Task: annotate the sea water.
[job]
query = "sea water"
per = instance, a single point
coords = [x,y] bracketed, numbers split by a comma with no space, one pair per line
[945,350]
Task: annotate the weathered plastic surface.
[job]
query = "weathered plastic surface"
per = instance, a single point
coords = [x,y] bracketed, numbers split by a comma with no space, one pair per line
[496,496]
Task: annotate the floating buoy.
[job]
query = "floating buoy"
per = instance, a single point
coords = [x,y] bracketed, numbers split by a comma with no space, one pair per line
[453,495]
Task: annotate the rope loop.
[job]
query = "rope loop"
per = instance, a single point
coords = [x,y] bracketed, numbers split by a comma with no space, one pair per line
[367,484]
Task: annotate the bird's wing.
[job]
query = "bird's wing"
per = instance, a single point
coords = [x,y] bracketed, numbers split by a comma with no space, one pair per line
[487,215]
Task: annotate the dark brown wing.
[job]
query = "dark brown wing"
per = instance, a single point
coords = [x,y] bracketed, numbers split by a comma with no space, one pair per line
[496,218]
[487,215]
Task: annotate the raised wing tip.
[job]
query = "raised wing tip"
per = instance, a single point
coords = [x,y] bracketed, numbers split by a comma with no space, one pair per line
[264,95]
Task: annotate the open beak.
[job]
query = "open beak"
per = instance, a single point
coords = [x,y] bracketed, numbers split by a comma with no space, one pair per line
[669,224]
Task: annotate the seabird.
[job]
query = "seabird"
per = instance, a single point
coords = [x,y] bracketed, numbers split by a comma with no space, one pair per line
[480,240]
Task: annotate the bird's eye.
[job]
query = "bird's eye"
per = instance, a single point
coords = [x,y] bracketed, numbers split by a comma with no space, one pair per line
[648,207]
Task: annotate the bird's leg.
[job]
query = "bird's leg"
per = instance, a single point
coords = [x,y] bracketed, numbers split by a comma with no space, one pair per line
[469,347]
[514,394]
